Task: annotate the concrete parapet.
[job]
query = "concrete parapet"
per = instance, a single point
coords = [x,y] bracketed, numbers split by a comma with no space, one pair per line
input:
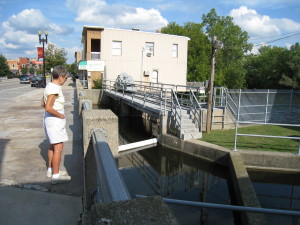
[210,152]
[244,191]
[147,211]
[271,160]
[104,119]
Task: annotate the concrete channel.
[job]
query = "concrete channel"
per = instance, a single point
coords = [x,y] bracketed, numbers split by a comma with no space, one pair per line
[237,162]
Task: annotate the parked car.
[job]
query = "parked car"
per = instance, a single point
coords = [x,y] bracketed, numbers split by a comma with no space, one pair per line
[37,81]
[24,79]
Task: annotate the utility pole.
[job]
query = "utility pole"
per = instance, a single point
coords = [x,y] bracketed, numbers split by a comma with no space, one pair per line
[215,45]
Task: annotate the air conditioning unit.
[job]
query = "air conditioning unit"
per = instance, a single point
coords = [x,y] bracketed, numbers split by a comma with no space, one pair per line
[149,54]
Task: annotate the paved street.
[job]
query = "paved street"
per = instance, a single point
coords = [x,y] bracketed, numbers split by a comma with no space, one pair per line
[23,155]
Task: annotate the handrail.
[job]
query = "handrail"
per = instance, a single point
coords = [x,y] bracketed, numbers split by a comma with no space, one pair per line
[109,179]
[163,95]
[197,113]
[295,214]
[174,111]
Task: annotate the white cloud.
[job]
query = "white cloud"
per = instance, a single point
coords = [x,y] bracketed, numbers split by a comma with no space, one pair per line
[98,12]
[262,3]
[19,32]
[261,25]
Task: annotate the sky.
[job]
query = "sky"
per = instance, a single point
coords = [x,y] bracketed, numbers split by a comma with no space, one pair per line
[268,22]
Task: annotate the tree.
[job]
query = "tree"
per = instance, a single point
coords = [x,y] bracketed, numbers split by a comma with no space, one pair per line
[72,68]
[292,79]
[54,56]
[24,70]
[229,60]
[269,69]
[31,70]
[4,68]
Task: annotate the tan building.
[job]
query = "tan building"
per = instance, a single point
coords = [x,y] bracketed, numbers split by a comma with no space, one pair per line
[146,56]
[13,65]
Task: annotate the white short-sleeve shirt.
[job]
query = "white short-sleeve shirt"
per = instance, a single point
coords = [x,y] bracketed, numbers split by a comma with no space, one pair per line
[54,89]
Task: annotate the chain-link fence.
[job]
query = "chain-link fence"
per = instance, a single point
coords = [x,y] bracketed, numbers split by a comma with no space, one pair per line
[267,106]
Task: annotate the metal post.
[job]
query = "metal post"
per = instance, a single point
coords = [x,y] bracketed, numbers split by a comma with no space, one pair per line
[237,121]
[266,114]
[44,72]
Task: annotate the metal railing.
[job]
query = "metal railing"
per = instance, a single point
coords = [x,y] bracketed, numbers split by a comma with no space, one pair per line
[176,112]
[266,121]
[169,97]
[294,214]
[111,186]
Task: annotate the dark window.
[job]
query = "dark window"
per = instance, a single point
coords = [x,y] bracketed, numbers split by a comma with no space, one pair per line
[95,45]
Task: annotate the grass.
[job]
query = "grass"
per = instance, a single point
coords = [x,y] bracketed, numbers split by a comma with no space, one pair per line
[225,138]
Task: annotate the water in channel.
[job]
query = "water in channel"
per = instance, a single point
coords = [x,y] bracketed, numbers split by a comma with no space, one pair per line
[173,174]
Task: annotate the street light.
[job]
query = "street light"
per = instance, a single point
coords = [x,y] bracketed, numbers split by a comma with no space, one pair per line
[43,40]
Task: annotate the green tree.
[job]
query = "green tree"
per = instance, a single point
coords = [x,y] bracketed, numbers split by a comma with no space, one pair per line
[24,70]
[54,56]
[31,70]
[230,71]
[292,79]
[198,65]
[73,68]
[268,69]
[4,68]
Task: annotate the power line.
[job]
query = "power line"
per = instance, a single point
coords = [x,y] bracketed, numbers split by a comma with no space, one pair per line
[279,39]
[273,36]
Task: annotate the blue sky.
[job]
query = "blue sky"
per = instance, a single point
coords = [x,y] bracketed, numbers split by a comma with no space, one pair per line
[264,20]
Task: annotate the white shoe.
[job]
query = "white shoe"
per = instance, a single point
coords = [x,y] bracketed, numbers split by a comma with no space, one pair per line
[60,179]
[49,173]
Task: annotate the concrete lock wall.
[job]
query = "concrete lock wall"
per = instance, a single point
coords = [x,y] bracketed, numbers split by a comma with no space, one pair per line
[134,211]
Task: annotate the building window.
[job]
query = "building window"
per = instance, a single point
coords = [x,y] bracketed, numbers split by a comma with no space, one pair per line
[175,51]
[117,48]
[95,48]
[149,48]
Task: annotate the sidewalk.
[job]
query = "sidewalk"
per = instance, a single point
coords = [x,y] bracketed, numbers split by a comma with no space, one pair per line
[27,196]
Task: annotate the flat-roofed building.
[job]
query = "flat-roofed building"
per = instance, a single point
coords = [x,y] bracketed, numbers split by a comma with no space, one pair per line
[146,56]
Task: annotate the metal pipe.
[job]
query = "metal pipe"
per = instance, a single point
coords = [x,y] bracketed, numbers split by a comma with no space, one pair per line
[228,207]
[150,142]
[269,136]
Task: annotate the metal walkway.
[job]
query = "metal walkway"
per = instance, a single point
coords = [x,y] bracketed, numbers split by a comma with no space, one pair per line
[183,104]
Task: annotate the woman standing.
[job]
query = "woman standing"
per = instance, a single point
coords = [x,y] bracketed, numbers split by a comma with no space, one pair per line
[54,123]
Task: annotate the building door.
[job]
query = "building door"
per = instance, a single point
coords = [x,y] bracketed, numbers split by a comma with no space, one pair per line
[154,76]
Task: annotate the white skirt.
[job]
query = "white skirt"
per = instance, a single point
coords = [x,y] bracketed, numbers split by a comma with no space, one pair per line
[55,128]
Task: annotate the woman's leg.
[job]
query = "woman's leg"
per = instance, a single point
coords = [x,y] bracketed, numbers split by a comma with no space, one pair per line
[50,155]
[57,149]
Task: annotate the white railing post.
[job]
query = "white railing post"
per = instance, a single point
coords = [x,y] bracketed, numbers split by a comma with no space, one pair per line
[237,120]
[267,104]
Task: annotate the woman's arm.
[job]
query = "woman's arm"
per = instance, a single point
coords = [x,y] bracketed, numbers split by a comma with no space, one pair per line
[43,102]
[49,107]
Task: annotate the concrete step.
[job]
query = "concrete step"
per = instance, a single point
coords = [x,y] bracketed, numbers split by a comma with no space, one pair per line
[189,130]
[195,135]
[187,125]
